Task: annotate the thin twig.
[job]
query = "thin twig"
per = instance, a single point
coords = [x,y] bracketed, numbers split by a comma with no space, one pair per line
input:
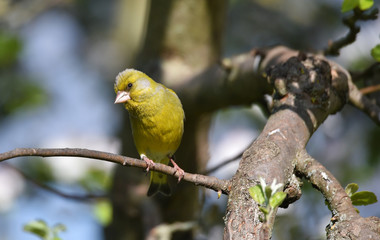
[370,89]
[222,164]
[334,47]
[237,157]
[84,197]
[201,180]
[363,103]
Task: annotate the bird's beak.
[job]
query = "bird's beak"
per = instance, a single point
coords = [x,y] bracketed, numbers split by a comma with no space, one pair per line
[122,97]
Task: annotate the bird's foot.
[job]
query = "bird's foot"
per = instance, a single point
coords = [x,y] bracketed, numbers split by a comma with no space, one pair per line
[149,162]
[178,170]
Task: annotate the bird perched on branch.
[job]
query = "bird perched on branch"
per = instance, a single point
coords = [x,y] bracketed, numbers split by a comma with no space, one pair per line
[157,120]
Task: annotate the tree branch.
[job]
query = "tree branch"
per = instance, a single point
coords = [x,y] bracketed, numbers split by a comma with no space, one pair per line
[84,197]
[364,103]
[334,47]
[307,90]
[345,223]
[357,97]
[370,89]
[234,81]
[201,180]
[326,183]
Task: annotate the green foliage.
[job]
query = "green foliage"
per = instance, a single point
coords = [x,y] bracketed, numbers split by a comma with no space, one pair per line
[348,5]
[363,198]
[103,212]
[268,197]
[95,180]
[268,192]
[363,5]
[265,210]
[277,199]
[257,194]
[43,231]
[375,52]
[360,198]
[351,189]
[17,92]
[38,169]
[10,47]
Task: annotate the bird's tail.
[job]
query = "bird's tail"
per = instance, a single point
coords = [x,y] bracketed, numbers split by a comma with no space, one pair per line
[158,183]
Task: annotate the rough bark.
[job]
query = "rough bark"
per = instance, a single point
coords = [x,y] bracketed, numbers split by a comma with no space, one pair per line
[307,90]
[345,222]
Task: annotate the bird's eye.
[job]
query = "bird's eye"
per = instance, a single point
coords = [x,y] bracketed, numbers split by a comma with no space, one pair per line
[130,85]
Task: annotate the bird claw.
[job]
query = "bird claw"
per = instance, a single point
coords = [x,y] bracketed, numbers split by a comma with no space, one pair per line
[178,170]
[148,162]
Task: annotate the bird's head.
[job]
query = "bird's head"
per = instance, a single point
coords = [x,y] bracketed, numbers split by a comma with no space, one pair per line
[133,87]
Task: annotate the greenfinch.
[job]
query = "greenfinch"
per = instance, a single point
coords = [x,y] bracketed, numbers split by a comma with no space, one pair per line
[157,121]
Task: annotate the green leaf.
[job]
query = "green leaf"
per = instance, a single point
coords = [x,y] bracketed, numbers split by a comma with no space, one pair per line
[10,46]
[365,4]
[348,5]
[375,52]
[103,212]
[58,228]
[351,189]
[19,91]
[277,199]
[264,210]
[37,227]
[96,179]
[257,194]
[268,192]
[41,229]
[363,198]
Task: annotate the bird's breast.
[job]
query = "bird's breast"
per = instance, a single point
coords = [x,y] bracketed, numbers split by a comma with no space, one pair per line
[158,129]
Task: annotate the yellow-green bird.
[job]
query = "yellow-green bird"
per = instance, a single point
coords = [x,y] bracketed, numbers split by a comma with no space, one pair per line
[157,120]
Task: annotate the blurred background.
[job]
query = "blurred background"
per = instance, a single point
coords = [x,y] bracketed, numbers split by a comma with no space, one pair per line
[58,62]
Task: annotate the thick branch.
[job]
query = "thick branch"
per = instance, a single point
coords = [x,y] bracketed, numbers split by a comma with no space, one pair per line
[201,180]
[234,81]
[308,89]
[346,223]
[326,183]
[240,80]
